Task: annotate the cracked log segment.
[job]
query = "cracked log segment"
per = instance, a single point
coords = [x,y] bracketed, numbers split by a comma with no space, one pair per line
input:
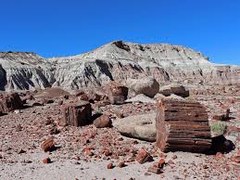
[77,114]
[182,126]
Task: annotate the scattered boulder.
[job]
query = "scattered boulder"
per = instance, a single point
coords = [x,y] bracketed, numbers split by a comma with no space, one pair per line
[48,145]
[76,114]
[47,160]
[160,163]
[121,164]
[10,102]
[116,92]
[103,121]
[110,166]
[138,126]
[174,89]
[147,86]
[90,95]
[143,156]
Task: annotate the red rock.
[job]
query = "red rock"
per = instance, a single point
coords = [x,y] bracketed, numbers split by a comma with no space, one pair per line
[161,163]
[48,145]
[116,92]
[182,126]
[103,121]
[79,114]
[110,166]
[143,156]
[236,158]
[121,164]
[88,151]
[10,102]
[107,152]
[47,161]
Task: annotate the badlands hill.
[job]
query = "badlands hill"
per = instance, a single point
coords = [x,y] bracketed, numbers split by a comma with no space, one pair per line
[114,61]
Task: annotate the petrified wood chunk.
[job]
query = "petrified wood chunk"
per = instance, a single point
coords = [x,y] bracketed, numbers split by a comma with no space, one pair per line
[48,145]
[10,102]
[116,92]
[77,114]
[182,126]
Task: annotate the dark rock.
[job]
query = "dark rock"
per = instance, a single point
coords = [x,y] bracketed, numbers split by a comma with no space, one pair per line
[221,144]
[10,102]
[77,114]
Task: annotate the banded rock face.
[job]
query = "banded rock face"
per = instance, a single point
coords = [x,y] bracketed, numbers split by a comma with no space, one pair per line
[24,70]
[120,61]
[116,61]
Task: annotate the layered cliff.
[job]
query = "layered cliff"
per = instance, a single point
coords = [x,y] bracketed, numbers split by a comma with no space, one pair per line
[121,60]
[114,61]
[24,70]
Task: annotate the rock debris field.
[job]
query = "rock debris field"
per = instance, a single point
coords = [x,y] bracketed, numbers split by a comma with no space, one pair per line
[55,134]
[123,111]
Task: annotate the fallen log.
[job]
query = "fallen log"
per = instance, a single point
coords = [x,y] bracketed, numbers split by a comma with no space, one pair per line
[182,126]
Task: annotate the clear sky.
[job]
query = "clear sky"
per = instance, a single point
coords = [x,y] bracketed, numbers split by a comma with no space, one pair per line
[69,27]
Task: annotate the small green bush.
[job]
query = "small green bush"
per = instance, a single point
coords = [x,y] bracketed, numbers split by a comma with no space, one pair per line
[218,128]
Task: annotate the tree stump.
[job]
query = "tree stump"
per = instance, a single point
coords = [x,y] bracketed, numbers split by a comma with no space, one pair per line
[79,114]
[182,126]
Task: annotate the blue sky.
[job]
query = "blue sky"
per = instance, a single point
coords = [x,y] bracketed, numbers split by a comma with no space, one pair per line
[69,27]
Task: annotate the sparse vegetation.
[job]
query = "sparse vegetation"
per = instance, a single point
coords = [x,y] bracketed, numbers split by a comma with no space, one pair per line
[218,128]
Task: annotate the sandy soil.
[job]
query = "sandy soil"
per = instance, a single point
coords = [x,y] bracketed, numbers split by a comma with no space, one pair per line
[22,132]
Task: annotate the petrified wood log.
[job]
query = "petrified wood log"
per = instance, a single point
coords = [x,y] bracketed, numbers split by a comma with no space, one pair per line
[182,126]
[79,114]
